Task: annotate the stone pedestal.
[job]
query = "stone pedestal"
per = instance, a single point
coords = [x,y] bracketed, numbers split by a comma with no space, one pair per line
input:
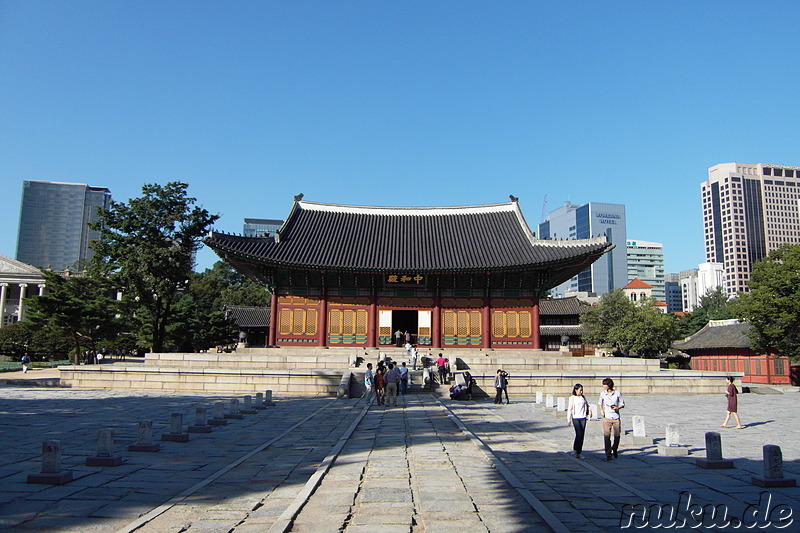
[145,442]
[176,433]
[773,470]
[247,408]
[713,460]
[259,405]
[233,411]
[219,415]
[268,398]
[200,425]
[672,447]
[105,450]
[561,404]
[51,473]
[639,436]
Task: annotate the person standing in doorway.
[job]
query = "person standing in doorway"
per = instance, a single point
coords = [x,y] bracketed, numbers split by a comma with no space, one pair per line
[369,383]
[403,378]
[577,413]
[407,337]
[398,338]
[733,405]
[609,405]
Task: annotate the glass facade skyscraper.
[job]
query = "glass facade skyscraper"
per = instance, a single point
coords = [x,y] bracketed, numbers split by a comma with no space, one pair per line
[54,223]
[646,262]
[582,222]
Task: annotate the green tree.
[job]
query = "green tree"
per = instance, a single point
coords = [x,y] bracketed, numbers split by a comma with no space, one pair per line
[629,327]
[772,306]
[149,244]
[79,307]
[714,305]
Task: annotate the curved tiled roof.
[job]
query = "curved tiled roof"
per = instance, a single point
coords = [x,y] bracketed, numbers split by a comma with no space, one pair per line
[717,334]
[414,239]
[561,306]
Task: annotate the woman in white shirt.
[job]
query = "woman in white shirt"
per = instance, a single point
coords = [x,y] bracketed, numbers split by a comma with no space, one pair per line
[577,413]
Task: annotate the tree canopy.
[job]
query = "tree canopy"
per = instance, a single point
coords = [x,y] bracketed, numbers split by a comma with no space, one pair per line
[628,326]
[714,305]
[772,306]
[80,307]
[149,246]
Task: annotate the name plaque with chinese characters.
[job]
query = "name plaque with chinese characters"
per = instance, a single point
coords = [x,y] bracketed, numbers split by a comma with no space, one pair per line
[404,279]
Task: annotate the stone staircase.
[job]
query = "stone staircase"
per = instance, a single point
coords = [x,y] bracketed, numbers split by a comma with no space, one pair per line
[319,371]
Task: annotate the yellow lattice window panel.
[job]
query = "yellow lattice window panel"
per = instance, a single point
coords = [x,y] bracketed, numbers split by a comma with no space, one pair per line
[511,324]
[449,323]
[347,322]
[297,322]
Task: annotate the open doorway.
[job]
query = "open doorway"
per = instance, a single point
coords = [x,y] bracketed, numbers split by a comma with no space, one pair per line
[406,321]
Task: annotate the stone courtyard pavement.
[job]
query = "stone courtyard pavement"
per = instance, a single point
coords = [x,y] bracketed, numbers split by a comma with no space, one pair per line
[428,465]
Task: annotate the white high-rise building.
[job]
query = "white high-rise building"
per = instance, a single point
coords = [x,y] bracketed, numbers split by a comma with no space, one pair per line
[646,262]
[570,221]
[698,282]
[749,210]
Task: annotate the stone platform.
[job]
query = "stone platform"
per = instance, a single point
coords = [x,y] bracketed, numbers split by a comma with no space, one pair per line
[319,371]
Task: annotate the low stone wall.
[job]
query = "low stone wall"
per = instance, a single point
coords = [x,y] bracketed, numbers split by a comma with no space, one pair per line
[202,380]
[244,360]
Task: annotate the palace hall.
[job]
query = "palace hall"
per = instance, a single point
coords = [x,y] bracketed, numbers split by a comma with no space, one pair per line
[464,276]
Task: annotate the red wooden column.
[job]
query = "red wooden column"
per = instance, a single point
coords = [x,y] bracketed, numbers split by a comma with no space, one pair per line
[486,323]
[372,322]
[537,340]
[273,319]
[436,326]
[322,319]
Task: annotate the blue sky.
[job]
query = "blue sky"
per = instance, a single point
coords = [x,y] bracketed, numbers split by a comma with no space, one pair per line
[399,103]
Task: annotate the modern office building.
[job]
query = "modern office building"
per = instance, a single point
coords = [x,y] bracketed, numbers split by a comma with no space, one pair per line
[261,227]
[570,222]
[697,282]
[646,262]
[54,223]
[672,293]
[749,210]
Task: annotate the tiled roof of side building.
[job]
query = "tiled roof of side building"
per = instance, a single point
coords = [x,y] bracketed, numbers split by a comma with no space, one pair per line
[717,334]
[561,306]
[249,317]
[414,239]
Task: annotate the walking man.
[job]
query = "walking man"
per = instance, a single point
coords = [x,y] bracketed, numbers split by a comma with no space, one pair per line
[609,405]
[391,380]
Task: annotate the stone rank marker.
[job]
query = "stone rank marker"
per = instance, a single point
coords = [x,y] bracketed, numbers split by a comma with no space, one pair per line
[233,411]
[672,448]
[105,450]
[200,425]
[268,398]
[145,442]
[259,401]
[247,408]
[176,433]
[219,415]
[639,437]
[51,466]
[773,470]
[539,397]
[713,458]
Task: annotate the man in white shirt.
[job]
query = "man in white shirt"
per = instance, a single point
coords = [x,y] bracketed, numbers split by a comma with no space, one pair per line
[609,405]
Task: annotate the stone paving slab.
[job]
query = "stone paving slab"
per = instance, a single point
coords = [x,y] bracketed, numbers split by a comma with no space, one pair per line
[407,468]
